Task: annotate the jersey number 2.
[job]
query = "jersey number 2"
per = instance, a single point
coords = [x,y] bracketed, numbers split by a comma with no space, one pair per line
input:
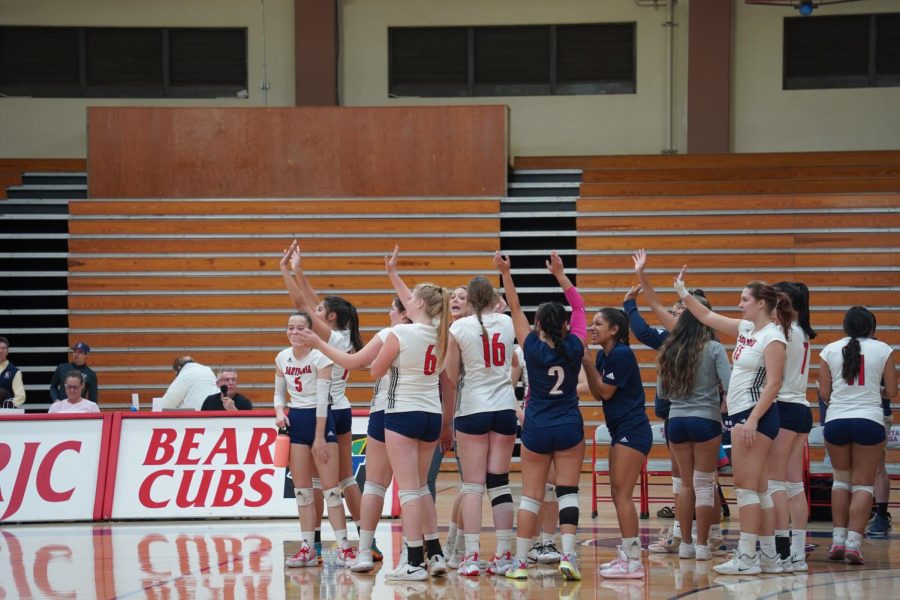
[495,352]
[560,375]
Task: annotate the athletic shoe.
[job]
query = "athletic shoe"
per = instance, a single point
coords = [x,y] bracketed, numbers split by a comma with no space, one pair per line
[785,563]
[534,552]
[798,563]
[470,566]
[879,526]
[739,564]
[837,550]
[519,570]
[702,553]
[853,554]
[769,564]
[346,555]
[623,568]
[454,560]
[501,564]
[667,543]
[549,554]
[568,566]
[377,555]
[407,572]
[437,565]
[305,557]
[364,563]
[686,550]
[716,546]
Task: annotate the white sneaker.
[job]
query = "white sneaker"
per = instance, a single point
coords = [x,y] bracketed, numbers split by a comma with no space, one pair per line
[501,564]
[454,560]
[785,563]
[667,543]
[769,564]
[470,566]
[345,555]
[364,562]
[702,552]
[623,568]
[620,555]
[739,564]
[305,557]
[686,550]
[548,554]
[437,565]
[407,572]
[798,563]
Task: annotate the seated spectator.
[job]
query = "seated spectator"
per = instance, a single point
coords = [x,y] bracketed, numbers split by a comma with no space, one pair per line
[78,363]
[230,399]
[10,376]
[193,384]
[74,402]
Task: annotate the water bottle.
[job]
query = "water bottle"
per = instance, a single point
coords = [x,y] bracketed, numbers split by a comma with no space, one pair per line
[282,448]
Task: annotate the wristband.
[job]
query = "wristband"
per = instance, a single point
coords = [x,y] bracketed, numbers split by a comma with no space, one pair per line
[680,289]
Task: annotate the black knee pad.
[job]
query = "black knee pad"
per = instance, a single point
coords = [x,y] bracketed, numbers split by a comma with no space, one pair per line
[567,496]
[498,488]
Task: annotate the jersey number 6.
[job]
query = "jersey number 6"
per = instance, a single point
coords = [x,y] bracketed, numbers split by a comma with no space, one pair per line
[430,361]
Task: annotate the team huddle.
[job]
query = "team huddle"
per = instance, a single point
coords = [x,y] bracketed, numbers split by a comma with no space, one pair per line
[446,371]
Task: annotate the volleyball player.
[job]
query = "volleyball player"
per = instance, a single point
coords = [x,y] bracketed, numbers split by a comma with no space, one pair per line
[553,430]
[856,372]
[756,376]
[305,375]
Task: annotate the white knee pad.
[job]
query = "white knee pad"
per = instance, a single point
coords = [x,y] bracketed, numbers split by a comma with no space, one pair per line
[529,504]
[424,491]
[304,496]
[317,483]
[476,489]
[746,497]
[765,500]
[549,492]
[794,488]
[676,486]
[407,496]
[775,487]
[869,489]
[373,489]
[348,482]
[704,488]
[841,480]
[332,497]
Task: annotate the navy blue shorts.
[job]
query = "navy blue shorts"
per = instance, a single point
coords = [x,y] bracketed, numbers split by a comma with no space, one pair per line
[416,424]
[376,426]
[343,420]
[768,425]
[546,440]
[693,429]
[499,421]
[795,417]
[640,438]
[864,432]
[302,426]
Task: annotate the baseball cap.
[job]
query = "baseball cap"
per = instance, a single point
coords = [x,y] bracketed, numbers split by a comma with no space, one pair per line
[82,347]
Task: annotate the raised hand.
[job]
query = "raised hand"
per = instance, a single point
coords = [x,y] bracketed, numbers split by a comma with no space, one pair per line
[287,259]
[555,265]
[501,262]
[633,292]
[679,282]
[390,262]
[310,338]
[640,260]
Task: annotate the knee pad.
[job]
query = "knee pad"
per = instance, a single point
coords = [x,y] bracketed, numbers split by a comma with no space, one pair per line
[304,496]
[869,489]
[549,492]
[317,483]
[676,485]
[794,488]
[424,491]
[704,488]
[498,488]
[476,489]
[746,497]
[407,496]
[568,504]
[332,497]
[347,483]
[765,500]
[841,480]
[529,504]
[373,489]
[774,488]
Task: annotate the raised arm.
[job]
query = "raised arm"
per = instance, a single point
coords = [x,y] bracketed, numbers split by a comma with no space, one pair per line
[578,322]
[720,323]
[351,362]
[520,321]
[640,262]
[302,293]
[645,334]
[390,265]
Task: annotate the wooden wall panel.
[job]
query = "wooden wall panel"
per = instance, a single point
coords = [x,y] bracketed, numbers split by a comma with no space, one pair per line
[297,152]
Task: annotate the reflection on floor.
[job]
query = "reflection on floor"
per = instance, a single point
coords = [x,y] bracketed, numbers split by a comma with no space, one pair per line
[244,559]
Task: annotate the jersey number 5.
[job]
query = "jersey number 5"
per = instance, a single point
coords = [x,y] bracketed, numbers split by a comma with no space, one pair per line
[495,352]
[430,361]
[298,384]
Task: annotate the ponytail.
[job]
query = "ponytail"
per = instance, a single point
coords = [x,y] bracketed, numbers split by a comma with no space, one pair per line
[785,313]
[859,322]
[443,328]
[852,355]
[355,337]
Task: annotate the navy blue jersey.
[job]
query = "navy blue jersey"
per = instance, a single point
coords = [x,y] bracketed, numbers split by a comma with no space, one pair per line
[552,382]
[652,338]
[625,410]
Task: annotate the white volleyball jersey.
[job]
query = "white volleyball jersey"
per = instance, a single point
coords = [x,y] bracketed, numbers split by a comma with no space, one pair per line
[485,382]
[414,374]
[796,368]
[300,375]
[748,376]
[861,398]
[339,375]
[380,393]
